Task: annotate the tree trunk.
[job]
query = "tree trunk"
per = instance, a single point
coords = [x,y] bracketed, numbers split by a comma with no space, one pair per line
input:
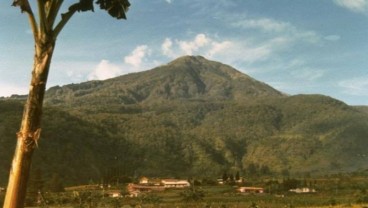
[30,128]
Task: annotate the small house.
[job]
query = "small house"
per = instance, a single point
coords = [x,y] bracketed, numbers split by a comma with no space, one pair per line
[303,190]
[134,194]
[114,194]
[143,180]
[253,190]
[174,183]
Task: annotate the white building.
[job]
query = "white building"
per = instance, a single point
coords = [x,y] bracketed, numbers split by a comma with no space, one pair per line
[174,183]
[255,190]
[143,180]
[303,190]
[114,194]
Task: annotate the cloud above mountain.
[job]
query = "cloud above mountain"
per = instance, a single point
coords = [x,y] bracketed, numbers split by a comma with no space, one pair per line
[356,86]
[137,56]
[105,70]
[359,6]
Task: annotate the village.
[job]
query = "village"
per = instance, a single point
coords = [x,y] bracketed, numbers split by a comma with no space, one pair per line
[147,185]
[241,192]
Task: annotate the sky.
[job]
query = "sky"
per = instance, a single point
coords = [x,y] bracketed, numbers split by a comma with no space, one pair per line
[295,46]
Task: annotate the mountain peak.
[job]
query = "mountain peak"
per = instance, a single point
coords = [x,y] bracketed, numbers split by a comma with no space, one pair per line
[200,64]
[189,58]
[185,78]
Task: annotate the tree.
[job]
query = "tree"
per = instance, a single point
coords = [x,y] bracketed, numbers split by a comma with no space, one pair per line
[225,177]
[45,29]
[55,184]
[237,176]
[35,186]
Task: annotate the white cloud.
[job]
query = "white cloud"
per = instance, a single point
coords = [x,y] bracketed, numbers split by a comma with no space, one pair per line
[244,52]
[332,37]
[7,89]
[356,86]
[201,44]
[227,50]
[274,28]
[166,48]
[265,24]
[169,1]
[134,62]
[360,6]
[188,47]
[219,47]
[105,70]
[136,57]
[308,74]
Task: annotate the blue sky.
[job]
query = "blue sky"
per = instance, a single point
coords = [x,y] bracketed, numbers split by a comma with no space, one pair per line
[296,46]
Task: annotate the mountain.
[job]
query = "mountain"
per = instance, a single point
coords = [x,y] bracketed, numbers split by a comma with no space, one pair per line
[190,117]
[186,78]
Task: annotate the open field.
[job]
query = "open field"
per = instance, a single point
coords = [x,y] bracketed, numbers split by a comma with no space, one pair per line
[338,191]
[214,197]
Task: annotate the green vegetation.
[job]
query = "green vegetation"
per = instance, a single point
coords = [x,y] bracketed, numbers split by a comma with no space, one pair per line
[342,190]
[193,119]
[189,118]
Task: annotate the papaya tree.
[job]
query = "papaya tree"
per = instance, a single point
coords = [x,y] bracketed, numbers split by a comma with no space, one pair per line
[46,26]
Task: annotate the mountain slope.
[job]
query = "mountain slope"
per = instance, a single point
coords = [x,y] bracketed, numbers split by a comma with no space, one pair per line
[75,149]
[191,117]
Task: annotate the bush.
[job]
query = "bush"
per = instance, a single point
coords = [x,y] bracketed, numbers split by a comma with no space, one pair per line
[192,194]
[362,199]
[150,199]
[332,202]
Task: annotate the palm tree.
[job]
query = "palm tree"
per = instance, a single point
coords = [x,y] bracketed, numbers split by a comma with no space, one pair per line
[45,30]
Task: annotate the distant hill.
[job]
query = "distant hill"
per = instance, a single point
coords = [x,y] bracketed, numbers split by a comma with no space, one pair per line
[190,117]
[363,109]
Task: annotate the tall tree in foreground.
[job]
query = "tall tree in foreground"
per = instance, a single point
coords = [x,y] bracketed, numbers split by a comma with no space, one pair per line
[46,28]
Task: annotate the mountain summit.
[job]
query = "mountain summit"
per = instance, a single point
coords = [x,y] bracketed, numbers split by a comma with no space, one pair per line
[188,77]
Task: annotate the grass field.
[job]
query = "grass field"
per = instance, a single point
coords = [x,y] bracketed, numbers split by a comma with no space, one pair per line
[343,192]
[214,197]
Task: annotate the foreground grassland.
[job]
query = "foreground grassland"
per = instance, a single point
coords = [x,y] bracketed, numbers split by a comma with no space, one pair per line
[339,191]
[219,196]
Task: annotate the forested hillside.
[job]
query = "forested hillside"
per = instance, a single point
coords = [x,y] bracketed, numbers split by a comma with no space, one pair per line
[191,117]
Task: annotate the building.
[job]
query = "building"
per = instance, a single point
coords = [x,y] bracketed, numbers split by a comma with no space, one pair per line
[253,190]
[175,183]
[220,181]
[114,193]
[303,190]
[143,180]
[144,188]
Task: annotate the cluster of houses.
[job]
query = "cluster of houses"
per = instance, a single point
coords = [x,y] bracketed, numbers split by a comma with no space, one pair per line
[156,185]
[260,190]
[148,185]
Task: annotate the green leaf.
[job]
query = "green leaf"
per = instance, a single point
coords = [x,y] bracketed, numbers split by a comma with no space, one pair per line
[116,8]
[23,4]
[82,6]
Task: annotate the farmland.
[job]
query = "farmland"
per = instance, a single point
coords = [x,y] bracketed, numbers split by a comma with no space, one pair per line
[331,191]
